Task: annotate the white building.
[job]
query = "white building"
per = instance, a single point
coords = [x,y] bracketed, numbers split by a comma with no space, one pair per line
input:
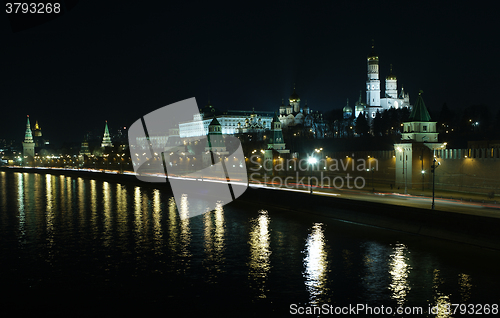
[232,122]
[374,102]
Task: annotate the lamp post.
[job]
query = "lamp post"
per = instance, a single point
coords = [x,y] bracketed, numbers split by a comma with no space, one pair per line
[433,170]
[423,174]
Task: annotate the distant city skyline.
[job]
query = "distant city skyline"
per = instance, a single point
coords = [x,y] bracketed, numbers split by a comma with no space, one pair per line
[118,63]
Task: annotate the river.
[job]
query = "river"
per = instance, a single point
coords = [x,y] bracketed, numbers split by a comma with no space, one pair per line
[76,246]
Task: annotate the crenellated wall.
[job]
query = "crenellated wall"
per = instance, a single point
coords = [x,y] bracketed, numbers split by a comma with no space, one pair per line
[465,170]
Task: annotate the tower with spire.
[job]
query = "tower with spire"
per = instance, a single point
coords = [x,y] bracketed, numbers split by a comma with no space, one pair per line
[420,128]
[374,102]
[37,132]
[391,86]
[37,136]
[276,140]
[415,153]
[373,81]
[295,101]
[106,140]
[28,144]
[215,149]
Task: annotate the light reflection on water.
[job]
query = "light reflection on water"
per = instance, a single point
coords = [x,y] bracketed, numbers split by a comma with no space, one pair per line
[121,231]
[399,270]
[465,283]
[214,231]
[20,199]
[316,263]
[259,263]
[442,302]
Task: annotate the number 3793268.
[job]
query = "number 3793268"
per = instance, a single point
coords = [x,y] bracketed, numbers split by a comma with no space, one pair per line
[32,7]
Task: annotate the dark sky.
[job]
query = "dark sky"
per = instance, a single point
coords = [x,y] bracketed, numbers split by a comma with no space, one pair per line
[102,61]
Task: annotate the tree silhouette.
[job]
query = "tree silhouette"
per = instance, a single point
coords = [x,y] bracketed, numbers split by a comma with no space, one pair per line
[362,128]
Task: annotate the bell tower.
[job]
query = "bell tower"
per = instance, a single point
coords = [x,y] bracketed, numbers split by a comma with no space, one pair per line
[373,81]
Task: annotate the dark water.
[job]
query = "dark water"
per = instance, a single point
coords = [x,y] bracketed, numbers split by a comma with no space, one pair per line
[75,246]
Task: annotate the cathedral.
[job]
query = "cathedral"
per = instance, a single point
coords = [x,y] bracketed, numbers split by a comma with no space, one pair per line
[374,101]
[293,114]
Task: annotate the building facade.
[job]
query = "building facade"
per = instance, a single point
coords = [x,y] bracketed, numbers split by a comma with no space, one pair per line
[232,122]
[417,150]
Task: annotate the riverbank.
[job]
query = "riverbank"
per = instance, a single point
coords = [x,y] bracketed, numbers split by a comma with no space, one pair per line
[477,230]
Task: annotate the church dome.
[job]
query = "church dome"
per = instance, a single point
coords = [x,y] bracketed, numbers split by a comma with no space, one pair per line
[347,109]
[391,76]
[373,55]
[294,96]
[360,108]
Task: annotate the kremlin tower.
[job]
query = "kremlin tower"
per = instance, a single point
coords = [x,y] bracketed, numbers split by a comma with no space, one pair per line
[106,140]
[28,144]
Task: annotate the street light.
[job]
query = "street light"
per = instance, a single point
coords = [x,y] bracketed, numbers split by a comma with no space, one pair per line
[373,171]
[433,170]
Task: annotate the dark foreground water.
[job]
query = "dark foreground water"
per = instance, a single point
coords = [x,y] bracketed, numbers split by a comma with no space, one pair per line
[75,246]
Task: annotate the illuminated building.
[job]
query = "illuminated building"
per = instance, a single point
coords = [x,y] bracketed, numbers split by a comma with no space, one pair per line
[216,148]
[231,121]
[374,102]
[416,151]
[28,143]
[276,140]
[106,140]
[84,150]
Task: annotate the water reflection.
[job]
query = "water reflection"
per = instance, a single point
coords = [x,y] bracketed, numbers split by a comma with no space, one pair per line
[399,270]
[122,231]
[138,216]
[179,235]
[465,287]
[442,304]
[69,194]
[121,210]
[93,206]
[3,188]
[81,202]
[316,263]
[49,215]
[20,204]
[173,232]
[260,251]
[185,232]
[347,256]
[3,176]
[214,228]
[106,194]
[157,231]
[62,197]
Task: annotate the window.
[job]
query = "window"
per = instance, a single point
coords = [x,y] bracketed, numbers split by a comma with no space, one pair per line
[424,128]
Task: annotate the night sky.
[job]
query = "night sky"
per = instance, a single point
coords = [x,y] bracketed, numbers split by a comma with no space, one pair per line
[101,61]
